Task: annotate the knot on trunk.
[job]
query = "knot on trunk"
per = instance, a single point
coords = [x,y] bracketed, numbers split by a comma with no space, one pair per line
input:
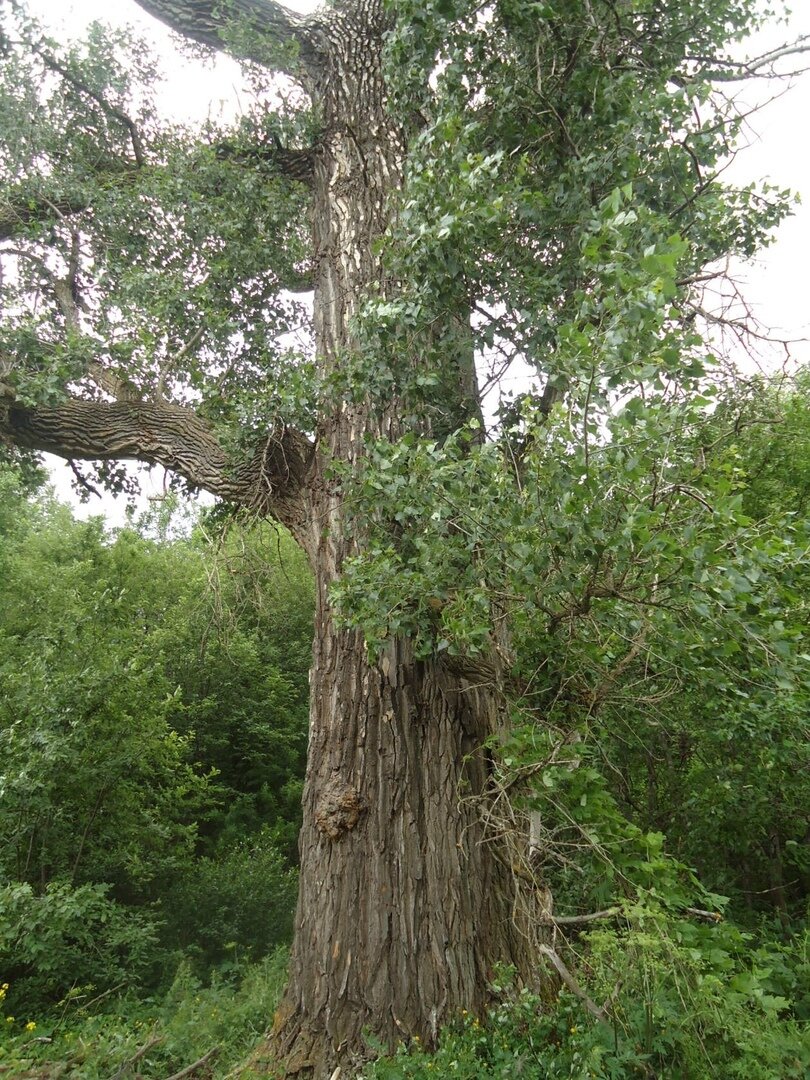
[339,809]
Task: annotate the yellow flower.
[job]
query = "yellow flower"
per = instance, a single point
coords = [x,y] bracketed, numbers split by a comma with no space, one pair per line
[30,1025]
[574,1029]
[9,1019]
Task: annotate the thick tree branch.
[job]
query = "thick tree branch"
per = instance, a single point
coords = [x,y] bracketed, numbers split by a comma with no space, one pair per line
[244,28]
[173,436]
[294,164]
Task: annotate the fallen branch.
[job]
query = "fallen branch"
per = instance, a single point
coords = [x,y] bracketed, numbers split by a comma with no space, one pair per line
[136,1057]
[571,982]
[614,912]
[581,920]
[699,913]
[189,1069]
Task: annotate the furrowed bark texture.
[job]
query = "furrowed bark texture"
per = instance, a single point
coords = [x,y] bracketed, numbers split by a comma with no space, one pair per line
[174,437]
[403,909]
[248,28]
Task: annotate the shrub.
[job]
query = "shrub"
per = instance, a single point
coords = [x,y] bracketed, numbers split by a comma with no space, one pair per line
[67,937]
[223,911]
[679,1002]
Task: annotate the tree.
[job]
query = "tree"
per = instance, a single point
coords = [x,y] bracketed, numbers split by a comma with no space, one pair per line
[460,186]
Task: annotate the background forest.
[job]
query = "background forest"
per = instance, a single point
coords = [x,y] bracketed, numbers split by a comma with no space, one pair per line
[153,686]
[153,705]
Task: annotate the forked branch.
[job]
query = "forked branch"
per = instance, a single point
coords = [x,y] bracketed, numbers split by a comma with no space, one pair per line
[764,66]
[20,210]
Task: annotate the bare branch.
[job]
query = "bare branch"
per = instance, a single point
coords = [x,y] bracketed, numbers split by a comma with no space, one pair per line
[66,293]
[738,70]
[582,920]
[91,489]
[295,164]
[571,983]
[119,389]
[136,1057]
[700,913]
[190,1069]
[172,361]
[614,912]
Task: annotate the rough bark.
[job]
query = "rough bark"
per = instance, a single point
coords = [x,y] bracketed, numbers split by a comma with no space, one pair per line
[171,436]
[244,27]
[403,909]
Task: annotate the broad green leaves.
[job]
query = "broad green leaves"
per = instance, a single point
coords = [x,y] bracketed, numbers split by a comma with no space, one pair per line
[148,717]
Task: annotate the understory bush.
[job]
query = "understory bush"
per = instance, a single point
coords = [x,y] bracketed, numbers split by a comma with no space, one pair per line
[66,937]
[676,999]
[153,1037]
[232,908]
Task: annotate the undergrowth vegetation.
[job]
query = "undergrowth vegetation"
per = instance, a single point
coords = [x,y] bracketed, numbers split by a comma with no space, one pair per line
[152,735]
[85,1037]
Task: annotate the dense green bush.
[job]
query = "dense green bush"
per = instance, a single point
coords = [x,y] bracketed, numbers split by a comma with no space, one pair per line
[64,937]
[680,1002]
[153,708]
[235,906]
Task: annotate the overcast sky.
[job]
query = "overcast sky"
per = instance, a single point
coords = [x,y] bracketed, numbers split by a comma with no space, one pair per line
[778,284]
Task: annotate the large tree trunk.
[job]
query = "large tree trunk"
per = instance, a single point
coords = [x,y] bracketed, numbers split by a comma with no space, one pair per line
[403,908]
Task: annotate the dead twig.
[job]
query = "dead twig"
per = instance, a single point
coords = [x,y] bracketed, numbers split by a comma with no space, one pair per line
[581,920]
[136,1057]
[571,983]
[189,1069]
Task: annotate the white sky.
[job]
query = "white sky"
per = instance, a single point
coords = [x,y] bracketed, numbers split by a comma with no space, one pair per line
[777,285]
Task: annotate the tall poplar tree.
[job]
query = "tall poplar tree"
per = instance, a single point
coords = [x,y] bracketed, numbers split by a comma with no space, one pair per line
[460,186]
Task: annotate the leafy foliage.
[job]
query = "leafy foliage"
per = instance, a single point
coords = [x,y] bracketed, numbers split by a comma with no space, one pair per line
[135,770]
[680,1004]
[162,1035]
[68,936]
[235,906]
